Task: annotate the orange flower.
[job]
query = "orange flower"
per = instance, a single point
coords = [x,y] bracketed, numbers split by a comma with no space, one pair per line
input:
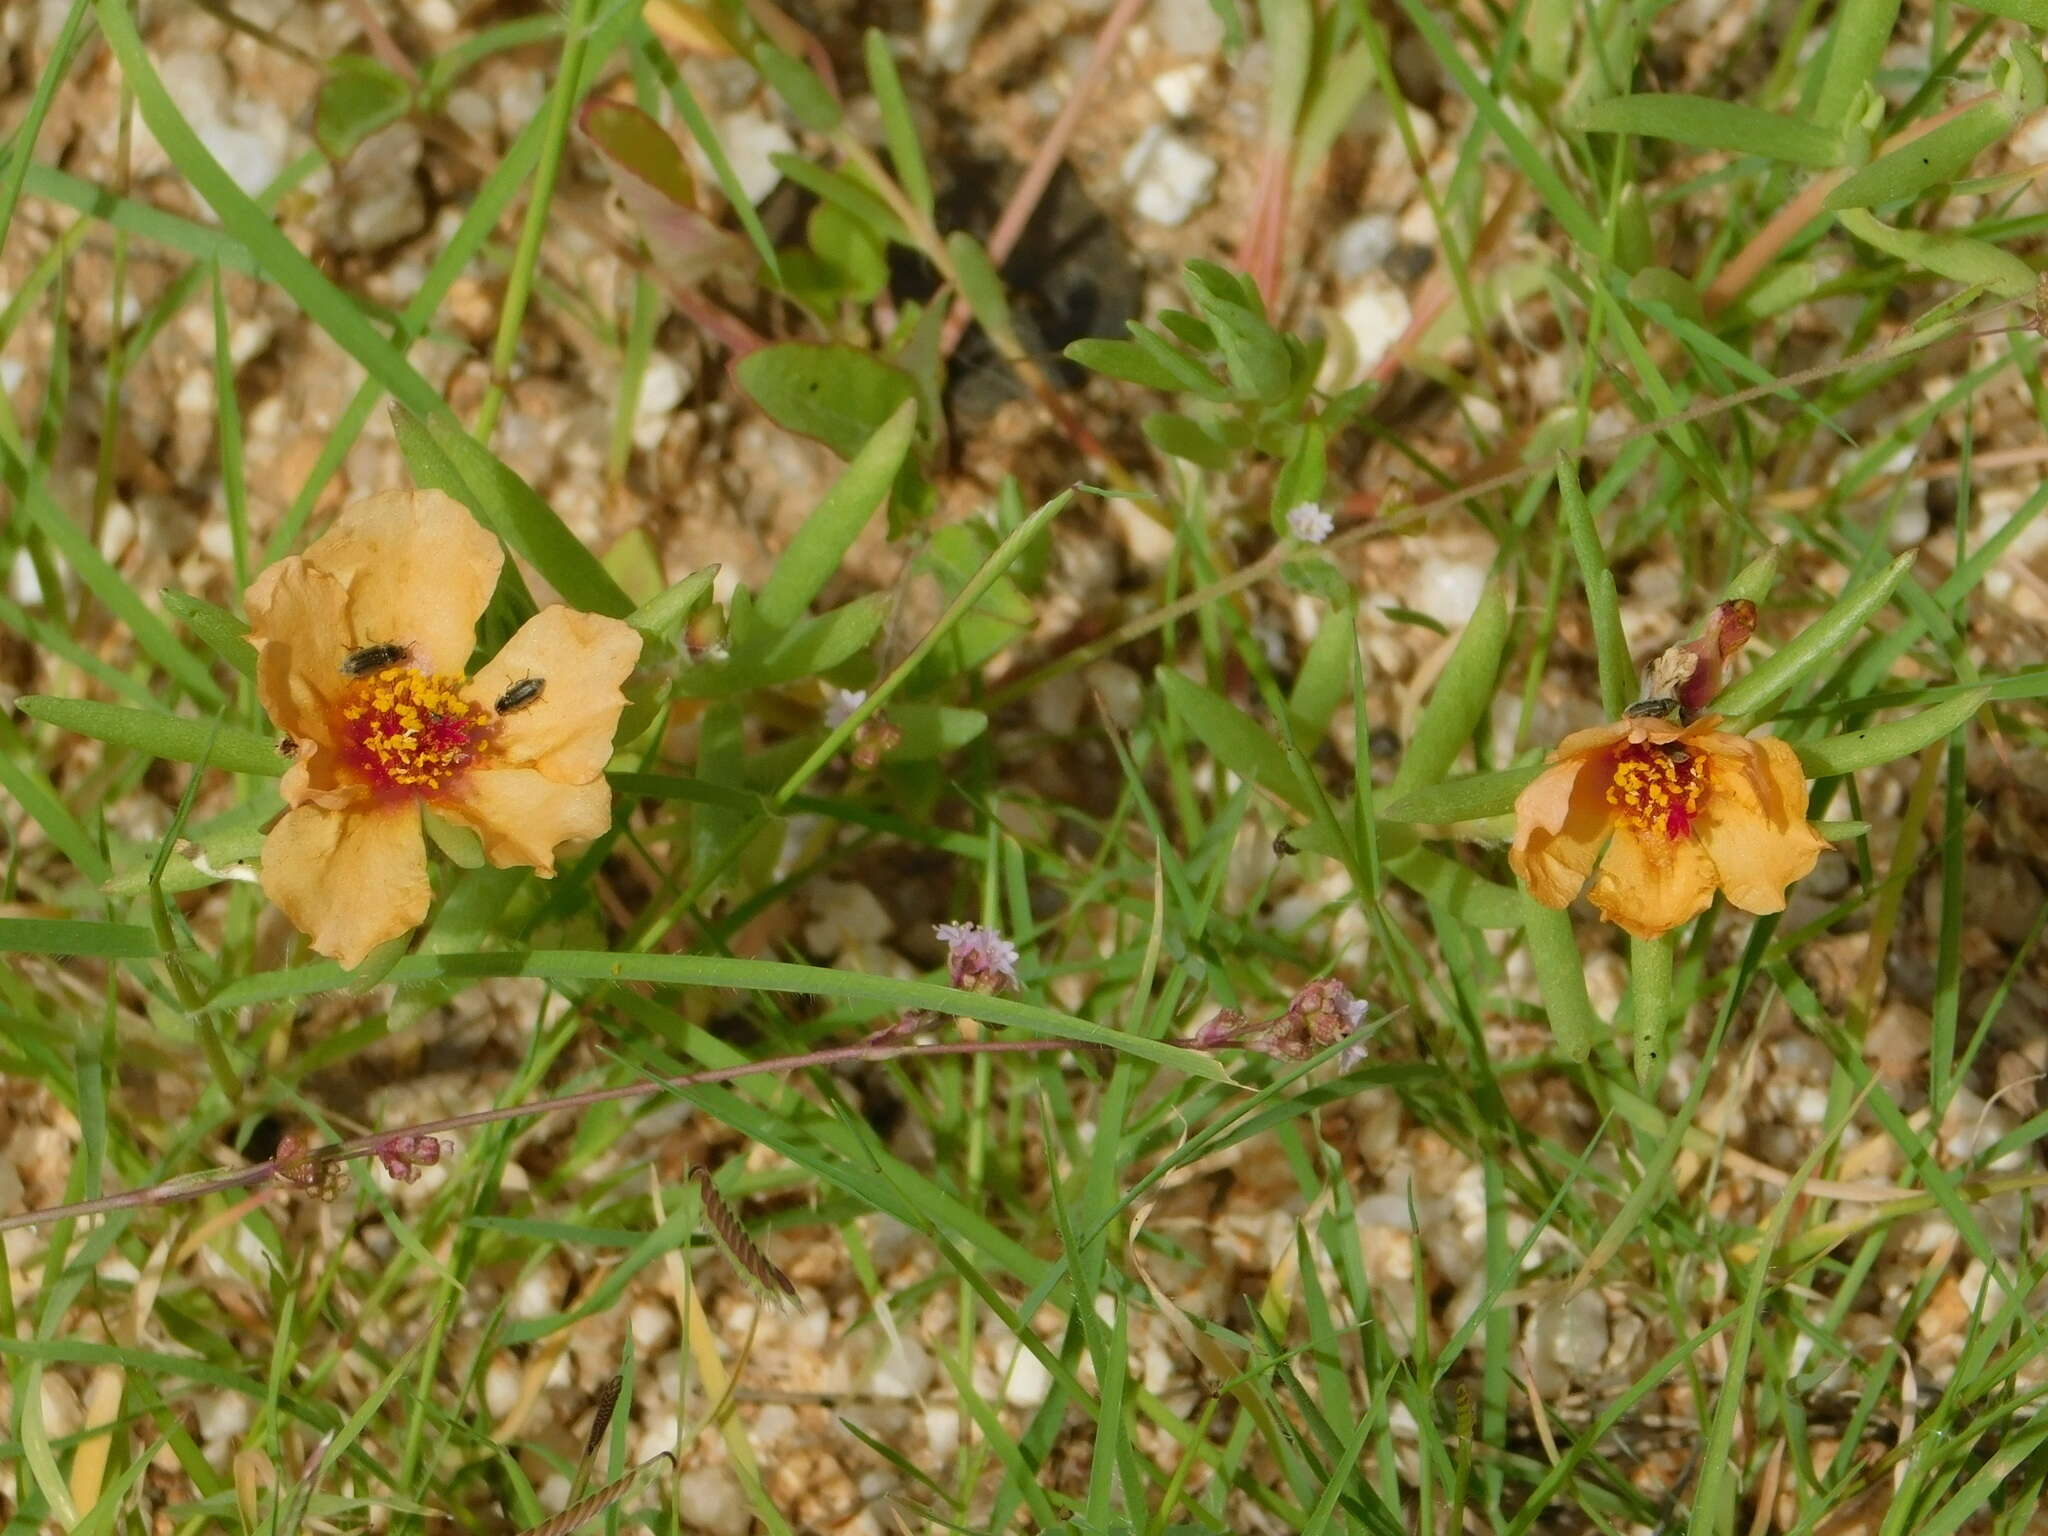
[361,644]
[1660,815]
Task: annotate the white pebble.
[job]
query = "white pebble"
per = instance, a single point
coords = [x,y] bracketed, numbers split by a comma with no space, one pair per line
[1363,245]
[750,139]
[1169,178]
[903,1372]
[1177,88]
[223,1417]
[1449,591]
[251,158]
[1029,1383]
[1570,1335]
[22,582]
[653,1323]
[950,27]
[501,1385]
[942,1432]
[715,1501]
[1374,316]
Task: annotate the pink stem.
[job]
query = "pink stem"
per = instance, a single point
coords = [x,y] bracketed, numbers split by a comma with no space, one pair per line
[175,1191]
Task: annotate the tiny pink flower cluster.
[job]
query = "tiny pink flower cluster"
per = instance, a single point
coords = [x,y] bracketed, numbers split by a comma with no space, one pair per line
[1322,1013]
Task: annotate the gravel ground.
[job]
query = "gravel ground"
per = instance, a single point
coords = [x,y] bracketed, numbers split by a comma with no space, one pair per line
[1163,171]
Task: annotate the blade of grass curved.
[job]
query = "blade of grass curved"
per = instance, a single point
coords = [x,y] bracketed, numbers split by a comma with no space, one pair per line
[777,976]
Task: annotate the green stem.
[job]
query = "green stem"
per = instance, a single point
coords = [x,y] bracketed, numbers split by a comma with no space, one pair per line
[1649,965]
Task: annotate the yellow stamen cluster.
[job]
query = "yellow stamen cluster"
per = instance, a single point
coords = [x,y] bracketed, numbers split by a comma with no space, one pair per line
[1657,788]
[408,730]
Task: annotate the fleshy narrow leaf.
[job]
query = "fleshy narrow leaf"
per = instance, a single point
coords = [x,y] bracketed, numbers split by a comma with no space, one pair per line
[1894,739]
[1812,646]
[1466,798]
[515,512]
[63,936]
[664,615]
[1245,747]
[1703,122]
[815,553]
[1956,257]
[899,128]
[1935,158]
[181,740]
[224,634]
[804,649]
[1560,977]
[1462,696]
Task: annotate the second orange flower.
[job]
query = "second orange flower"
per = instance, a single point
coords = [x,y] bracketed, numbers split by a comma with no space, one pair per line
[362,644]
[1658,816]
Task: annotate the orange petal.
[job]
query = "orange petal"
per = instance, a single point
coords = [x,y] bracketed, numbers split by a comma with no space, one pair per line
[1597,738]
[1757,851]
[348,880]
[418,571]
[1558,831]
[580,659]
[523,816]
[1649,885]
[297,624]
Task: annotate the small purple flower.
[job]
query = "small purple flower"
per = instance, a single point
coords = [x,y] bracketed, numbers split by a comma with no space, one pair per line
[978,959]
[1310,523]
[840,705]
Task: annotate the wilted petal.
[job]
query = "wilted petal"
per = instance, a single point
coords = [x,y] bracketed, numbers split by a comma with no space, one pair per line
[418,571]
[1560,822]
[1753,825]
[1649,885]
[298,624]
[523,816]
[580,659]
[348,880]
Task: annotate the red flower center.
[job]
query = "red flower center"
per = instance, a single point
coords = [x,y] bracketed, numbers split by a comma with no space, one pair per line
[408,732]
[1657,787]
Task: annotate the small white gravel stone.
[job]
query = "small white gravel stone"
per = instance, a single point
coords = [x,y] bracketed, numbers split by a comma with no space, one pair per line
[1374,315]
[1363,245]
[904,1370]
[1448,590]
[750,141]
[1169,178]
[23,584]
[1178,88]
[950,27]
[715,1501]
[1028,1383]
